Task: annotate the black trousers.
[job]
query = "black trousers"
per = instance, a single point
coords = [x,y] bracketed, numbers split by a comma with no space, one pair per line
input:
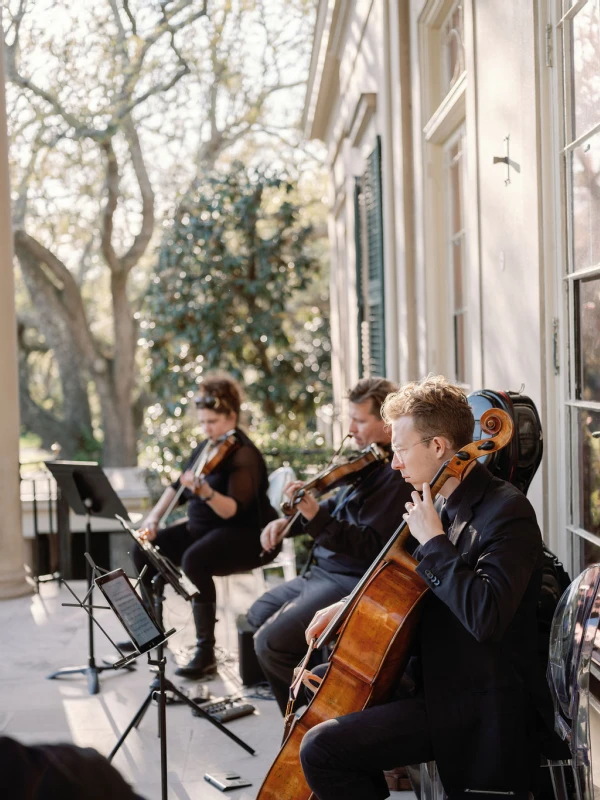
[345,757]
[220,551]
[282,616]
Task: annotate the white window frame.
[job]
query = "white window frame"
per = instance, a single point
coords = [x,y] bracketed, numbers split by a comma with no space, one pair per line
[449,238]
[562,482]
[441,120]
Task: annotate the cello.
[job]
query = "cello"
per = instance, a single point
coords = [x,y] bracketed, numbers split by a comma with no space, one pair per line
[376,628]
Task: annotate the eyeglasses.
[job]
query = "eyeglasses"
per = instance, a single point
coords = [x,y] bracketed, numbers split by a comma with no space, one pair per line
[400,451]
[208,401]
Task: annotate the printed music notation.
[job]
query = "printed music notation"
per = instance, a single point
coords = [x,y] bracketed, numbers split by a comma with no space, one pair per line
[130,609]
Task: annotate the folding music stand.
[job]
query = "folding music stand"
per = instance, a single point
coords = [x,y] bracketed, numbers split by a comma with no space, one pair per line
[145,633]
[167,572]
[87,490]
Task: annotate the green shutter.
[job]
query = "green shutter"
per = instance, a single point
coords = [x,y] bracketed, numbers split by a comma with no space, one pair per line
[372,194]
[360,296]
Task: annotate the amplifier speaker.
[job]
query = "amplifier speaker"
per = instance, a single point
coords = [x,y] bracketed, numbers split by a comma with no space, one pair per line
[250,670]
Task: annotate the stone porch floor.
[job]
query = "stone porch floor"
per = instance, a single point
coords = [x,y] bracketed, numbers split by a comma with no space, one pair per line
[39,636]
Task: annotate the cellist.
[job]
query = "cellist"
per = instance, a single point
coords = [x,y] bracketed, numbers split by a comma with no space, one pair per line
[473,697]
[348,530]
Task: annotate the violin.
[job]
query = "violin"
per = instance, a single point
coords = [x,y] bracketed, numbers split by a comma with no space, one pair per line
[374,631]
[336,475]
[206,462]
[328,479]
[211,456]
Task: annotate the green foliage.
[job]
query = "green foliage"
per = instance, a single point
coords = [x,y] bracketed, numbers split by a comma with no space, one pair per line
[236,288]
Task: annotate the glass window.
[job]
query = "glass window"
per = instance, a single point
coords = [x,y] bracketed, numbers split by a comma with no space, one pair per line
[585,76]
[457,268]
[453,49]
[587,316]
[585,180]
[589,554]
[585,175]
[588,448]
[581,114]
[455,249]
[460,348]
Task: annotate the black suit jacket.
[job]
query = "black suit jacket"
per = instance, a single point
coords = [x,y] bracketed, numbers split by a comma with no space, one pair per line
[484,688]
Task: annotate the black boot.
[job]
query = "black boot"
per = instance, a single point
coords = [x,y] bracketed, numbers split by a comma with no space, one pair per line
[202,664]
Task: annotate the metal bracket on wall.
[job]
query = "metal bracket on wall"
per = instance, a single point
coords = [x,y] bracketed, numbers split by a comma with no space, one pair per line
[555,346]
[504,160]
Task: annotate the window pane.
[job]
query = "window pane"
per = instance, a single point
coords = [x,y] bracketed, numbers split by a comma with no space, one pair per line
[585,166]
[586,69]
[589,471]
[457,249]
[455,190]
[587,314]
[459,348]
[453,60]
[590,554]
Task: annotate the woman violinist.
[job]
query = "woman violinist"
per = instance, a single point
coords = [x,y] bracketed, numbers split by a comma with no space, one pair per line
[349,530]
[227,509]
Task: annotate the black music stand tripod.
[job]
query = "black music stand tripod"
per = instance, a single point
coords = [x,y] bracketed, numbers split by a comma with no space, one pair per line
[88,492]
[127,660]
[160,685]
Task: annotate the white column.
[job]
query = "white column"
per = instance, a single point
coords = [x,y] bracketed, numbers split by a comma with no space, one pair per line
[389,168]
[12,575]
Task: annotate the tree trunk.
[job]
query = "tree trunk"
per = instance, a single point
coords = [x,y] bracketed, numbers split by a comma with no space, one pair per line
[74,427]
[117,394]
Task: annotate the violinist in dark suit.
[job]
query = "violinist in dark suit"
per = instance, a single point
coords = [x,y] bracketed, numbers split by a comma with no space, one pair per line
[349,530]
[478,699]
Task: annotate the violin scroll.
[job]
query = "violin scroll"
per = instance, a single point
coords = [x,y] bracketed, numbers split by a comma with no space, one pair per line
[498,425]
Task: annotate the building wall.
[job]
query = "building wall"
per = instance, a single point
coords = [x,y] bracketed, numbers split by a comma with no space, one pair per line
[357,107]
[380,49]
[509,216]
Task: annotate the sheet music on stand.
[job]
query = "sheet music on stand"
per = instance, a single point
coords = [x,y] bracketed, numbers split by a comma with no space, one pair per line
[141,626]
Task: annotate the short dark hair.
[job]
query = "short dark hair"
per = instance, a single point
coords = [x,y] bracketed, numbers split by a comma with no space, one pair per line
[437,407]
[374,389]
[221,394]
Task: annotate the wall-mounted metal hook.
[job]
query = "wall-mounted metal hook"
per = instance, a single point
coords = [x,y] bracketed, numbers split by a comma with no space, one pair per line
[504,160]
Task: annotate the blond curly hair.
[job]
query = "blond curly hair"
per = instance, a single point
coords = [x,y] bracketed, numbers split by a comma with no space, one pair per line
[437,407]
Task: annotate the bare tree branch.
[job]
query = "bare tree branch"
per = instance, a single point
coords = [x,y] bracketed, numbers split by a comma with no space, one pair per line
[130,17]
[20,204]
[64,286]
[108,212]
[141,241]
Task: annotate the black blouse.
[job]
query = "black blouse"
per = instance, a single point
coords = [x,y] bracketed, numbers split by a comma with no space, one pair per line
[241,476]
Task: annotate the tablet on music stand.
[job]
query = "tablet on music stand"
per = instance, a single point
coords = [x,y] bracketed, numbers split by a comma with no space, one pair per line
[144,631]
